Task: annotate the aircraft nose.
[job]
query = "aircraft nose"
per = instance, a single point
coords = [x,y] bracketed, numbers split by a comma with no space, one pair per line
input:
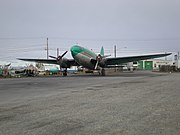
[74,51]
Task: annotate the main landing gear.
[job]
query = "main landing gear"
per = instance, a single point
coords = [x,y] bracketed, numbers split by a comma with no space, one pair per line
[65,72]
[102,72]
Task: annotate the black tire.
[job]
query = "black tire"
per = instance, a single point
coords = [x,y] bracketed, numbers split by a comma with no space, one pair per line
[103,72]
[65,73]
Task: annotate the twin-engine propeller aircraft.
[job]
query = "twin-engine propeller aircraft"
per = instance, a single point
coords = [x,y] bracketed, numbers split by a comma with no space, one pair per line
[88,59]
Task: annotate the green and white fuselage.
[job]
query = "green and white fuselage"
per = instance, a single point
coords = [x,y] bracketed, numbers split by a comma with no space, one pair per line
[83,56]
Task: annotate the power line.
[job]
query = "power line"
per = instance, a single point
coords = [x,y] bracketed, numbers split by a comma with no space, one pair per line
[96,39]
[119,39]
[20,38]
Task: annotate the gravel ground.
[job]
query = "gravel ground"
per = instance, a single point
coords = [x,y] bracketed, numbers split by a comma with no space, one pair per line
[140,103]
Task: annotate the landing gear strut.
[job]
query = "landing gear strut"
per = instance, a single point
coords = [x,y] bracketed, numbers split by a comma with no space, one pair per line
[103,72]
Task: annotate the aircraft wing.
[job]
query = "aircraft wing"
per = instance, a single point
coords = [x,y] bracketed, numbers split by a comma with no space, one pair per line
[122,60]
[47,61]
[69,62]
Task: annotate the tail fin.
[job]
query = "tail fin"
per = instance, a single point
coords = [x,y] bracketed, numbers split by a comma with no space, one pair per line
[102,51]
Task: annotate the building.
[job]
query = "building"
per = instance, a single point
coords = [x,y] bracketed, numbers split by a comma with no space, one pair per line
[177,60]
[153,64]
[177,63]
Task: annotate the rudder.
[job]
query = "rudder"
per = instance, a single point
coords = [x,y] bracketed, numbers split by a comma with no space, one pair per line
[102,51]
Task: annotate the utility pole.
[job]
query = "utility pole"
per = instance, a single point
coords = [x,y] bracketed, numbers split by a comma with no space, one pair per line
[178,57]
[47,49]
[115,51]
[57,52]
[57,57]
[115,55]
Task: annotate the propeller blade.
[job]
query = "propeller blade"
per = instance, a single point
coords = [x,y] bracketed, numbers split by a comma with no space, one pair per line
[59,57]
[64,54]
[96,65]
[52,57]
[98,59]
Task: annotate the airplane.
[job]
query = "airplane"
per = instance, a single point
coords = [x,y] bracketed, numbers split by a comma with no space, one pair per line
[6,66]
[88,59]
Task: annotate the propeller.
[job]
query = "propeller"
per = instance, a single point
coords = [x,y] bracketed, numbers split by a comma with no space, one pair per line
[59,58]
[98,59]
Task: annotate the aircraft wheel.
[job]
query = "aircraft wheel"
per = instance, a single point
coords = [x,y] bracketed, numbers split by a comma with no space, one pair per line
[103,72]
[65,73]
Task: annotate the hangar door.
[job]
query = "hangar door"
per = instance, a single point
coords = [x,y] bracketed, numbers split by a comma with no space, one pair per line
[148,65]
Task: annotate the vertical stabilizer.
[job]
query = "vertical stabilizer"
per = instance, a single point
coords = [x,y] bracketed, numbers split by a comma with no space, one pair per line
[102,51]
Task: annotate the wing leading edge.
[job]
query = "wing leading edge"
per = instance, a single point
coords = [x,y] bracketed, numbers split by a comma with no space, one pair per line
[69,62]
[122,60]
[47,61]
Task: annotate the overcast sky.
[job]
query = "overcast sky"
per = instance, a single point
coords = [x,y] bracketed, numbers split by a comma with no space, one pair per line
[135,26]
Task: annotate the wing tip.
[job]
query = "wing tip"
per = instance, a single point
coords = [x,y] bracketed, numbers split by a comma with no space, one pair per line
[20,59]
[168,54]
